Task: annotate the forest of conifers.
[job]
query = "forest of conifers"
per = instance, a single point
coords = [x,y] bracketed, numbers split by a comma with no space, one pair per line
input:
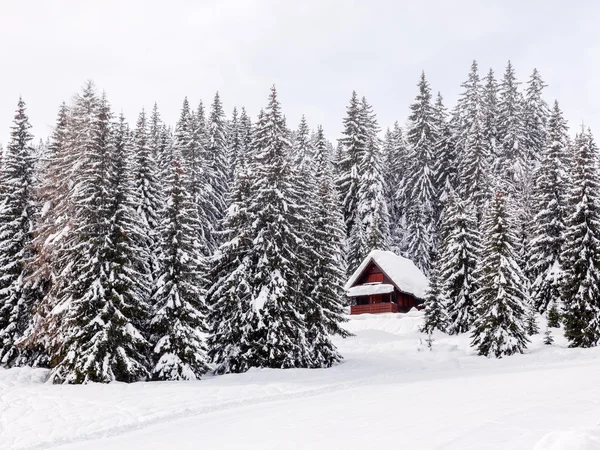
[154,252]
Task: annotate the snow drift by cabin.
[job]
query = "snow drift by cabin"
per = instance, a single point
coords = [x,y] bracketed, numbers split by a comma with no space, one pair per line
[385,282]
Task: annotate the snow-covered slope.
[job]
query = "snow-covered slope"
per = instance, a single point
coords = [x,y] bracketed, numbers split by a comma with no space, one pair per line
[390,392]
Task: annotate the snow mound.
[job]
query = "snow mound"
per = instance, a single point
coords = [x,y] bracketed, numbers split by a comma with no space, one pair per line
[570,440]
[402,271]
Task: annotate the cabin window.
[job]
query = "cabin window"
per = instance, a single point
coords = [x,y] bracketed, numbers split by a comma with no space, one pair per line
[375,278]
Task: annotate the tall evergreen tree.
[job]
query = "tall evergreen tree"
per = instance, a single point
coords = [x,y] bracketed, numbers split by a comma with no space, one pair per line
[474,171]
[435,317]
[446,162]
[510,127]
[233,319]
[278,244]
[216,158]
[581,250]
[179,318]
[372,206]
[489,111]
[17,210]
[535,119]
[105,297]
[395,159]
[52,224]
[147,190]
[352,148]
[549,209]
[498,329]
[420,188]
[458,260]
[324,313]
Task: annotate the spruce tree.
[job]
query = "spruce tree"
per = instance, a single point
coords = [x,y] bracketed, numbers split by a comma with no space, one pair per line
[278,244]
[106,296]
[372,207]
[147,190]
[581,249]
[180,311]
[474,171]
[324,310]
[510,128]
[445,162]
[352,148]
[420,193]
[52,222]
[553,315]
[233,320]
[458,260]
[489,111]
[435,304]
[16,232]
[468,108]
[394,173]
[535,119]
[549,199]
[216,157]
[498,329]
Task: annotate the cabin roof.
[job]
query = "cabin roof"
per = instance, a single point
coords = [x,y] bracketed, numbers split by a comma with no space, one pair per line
[401,271]
[370,289]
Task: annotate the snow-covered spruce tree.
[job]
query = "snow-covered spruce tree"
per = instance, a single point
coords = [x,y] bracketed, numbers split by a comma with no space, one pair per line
[234,144]
[51,227]
[395,160]
[147,190]
[106,298]
[233,320]
[531,326]
[159,143]
[510,127]
[17,210]
[216,157]
[302,151]
[474,171]
[324,312]
[179,298]
[549,200]
[489,111]
[445,162]
[553,315]
[498,329]
[277,244]
[189,140]
[459,254]
[468,108]
[436,302]
[372,206]
[535,119]
[352,148]
[420,193]
[581,249]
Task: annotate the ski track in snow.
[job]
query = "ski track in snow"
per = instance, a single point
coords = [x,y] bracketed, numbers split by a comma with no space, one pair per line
[448,399]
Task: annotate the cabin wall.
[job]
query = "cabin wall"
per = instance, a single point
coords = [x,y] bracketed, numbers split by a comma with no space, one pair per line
[373,274]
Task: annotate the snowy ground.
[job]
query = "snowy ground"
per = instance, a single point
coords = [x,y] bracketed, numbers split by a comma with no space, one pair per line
[390,392]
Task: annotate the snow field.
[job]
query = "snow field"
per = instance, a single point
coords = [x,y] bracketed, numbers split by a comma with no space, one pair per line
[391,392]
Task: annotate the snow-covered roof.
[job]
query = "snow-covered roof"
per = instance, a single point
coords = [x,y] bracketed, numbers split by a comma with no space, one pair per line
[370,289]
[402,271]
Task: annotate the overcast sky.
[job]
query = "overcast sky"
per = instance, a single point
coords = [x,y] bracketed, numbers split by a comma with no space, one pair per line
[315,52]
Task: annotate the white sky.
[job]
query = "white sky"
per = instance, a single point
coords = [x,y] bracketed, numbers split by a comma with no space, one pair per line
[316,52]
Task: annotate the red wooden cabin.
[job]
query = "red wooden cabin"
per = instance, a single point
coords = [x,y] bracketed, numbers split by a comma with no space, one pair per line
[385,282]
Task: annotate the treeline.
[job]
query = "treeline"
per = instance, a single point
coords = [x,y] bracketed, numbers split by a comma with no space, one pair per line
[150,252]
